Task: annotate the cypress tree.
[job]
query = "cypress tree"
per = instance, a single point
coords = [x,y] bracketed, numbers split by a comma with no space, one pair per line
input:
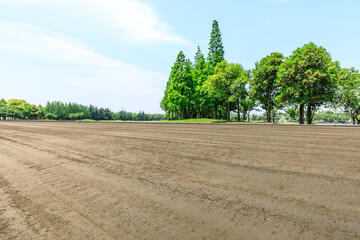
[178,97]
[216,49]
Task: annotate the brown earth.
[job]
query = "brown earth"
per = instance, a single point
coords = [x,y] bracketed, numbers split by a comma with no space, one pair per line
[172,181]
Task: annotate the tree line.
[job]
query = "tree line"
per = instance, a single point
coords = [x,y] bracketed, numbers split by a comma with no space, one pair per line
[20,109]
[298,84]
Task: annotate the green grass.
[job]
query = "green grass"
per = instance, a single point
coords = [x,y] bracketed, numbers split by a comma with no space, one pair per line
[200,120]
[287,122]
[196,120]
[90,120]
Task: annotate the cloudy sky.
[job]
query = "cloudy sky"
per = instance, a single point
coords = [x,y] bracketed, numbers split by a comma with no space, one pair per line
[118,53]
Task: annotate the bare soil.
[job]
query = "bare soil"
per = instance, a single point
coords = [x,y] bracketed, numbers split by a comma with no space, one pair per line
[172,181]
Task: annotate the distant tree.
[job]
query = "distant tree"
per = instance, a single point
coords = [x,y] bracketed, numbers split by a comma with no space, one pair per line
[264,83]
[293,113]
[76,116]
[348,94]
[21,106]
[247,105]
[51,116]
[308,77]
[241,93]
[35,112]
[6,111]
[2,102]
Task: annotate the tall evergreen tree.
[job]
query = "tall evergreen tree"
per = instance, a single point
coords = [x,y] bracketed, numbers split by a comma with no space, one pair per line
[216,49]
[202,100]
[179,93]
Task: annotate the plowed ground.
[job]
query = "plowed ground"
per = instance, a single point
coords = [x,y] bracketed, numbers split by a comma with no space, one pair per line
[171,181]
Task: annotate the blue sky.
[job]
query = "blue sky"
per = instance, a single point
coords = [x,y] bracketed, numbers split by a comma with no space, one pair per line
[118,53]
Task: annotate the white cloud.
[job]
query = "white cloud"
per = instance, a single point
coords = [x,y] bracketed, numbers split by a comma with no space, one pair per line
[50,45]
[132,19]
[39,65]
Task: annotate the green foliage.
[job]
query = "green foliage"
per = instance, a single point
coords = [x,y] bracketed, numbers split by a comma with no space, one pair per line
[51,116]
[331,117]
[308,77]
[2,102]
[20,109]
[216,49]
[247,105]
[76,116]
[179,94]
[228,79]
[202,98]
[24,110]
[348,93]
[265,83]
[292,113]
[6,111]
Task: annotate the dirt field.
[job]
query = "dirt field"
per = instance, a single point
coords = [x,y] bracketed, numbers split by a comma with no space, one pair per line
[165,181]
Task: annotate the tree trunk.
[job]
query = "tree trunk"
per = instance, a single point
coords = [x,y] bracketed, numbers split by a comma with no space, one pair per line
[248,117]
[268,110]
[353,120]
[215,112]
[238,110]
[228,111]
[301,114]
[244,116]
[309,115]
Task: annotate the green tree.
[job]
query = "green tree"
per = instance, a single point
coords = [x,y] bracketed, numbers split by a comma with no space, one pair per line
[51,116]
[216,49]
[293,113]
[247,105]
[178,98]
[240,93]
[2,102]
[348,94]
[21,106]
[202,99]
[308,77]
[264,83]
[226,76]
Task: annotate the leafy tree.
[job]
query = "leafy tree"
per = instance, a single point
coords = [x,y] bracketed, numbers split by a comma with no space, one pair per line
[35,111]
[348,94]
[51,116]
[2,102]
[6,111]
[308,77]
[264,83]
[240,94]
[20,105]
[247,105]
[293,113]
[226,78]
[76,116]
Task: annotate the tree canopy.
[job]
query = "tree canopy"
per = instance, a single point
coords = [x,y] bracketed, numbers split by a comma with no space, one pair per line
[213,88]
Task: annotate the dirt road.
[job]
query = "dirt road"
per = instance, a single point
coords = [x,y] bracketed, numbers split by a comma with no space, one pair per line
[165,181]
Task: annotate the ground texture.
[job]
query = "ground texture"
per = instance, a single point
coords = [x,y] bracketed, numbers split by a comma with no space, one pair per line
[175,181]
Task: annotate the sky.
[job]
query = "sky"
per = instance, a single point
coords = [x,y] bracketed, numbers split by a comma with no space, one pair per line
[119,53]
